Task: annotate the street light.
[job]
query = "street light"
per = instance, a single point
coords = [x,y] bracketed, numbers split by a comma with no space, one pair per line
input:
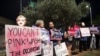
[90,13]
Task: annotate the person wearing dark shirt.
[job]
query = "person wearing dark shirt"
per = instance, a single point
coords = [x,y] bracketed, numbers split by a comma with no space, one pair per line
[83,41]
[68,39]
[55,35]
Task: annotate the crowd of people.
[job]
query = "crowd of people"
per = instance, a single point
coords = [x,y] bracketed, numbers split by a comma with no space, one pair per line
[74,40]
[71,36]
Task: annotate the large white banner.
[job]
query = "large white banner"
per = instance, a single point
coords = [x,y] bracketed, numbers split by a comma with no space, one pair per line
[85,32]
[22,41]
[61,50]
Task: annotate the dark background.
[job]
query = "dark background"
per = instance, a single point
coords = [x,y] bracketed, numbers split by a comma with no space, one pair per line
[10,8]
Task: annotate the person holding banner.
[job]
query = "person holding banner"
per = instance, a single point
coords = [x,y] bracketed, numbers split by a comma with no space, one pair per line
[44,32]
[16,36]
[77,35]
[66,36]
[93,38]
[69,38]
[55,35]
[66,40]
[21,20]
[98,39]
[71,33]
[45,38]
[83,40]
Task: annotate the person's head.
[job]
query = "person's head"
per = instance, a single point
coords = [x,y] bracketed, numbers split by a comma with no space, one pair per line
[69,27]
[40,23]
[83,24]
[21,20]
[51,24]
[72,28]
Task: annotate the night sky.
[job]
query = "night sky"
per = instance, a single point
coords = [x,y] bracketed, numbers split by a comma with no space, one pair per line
[10,8]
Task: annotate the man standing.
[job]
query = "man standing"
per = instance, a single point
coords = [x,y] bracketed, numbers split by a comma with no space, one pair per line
[83,40]
[55,35]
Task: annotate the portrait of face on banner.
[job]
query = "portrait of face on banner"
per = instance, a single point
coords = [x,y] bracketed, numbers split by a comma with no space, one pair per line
[21,20]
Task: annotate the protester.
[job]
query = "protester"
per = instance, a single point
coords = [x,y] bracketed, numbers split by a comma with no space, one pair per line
[83,41]
[93,40]
[69,38]
[40,24]
[65,38]
[21,20]
[77,35]
[72,35]
[45,38]
[98,39]
[55,35]
[67,41]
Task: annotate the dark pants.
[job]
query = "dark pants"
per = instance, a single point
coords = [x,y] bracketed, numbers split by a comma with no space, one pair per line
[76,43]
[54,54]
[73,45]
[97,41]
[88,42]
[54,44]
[82,45]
